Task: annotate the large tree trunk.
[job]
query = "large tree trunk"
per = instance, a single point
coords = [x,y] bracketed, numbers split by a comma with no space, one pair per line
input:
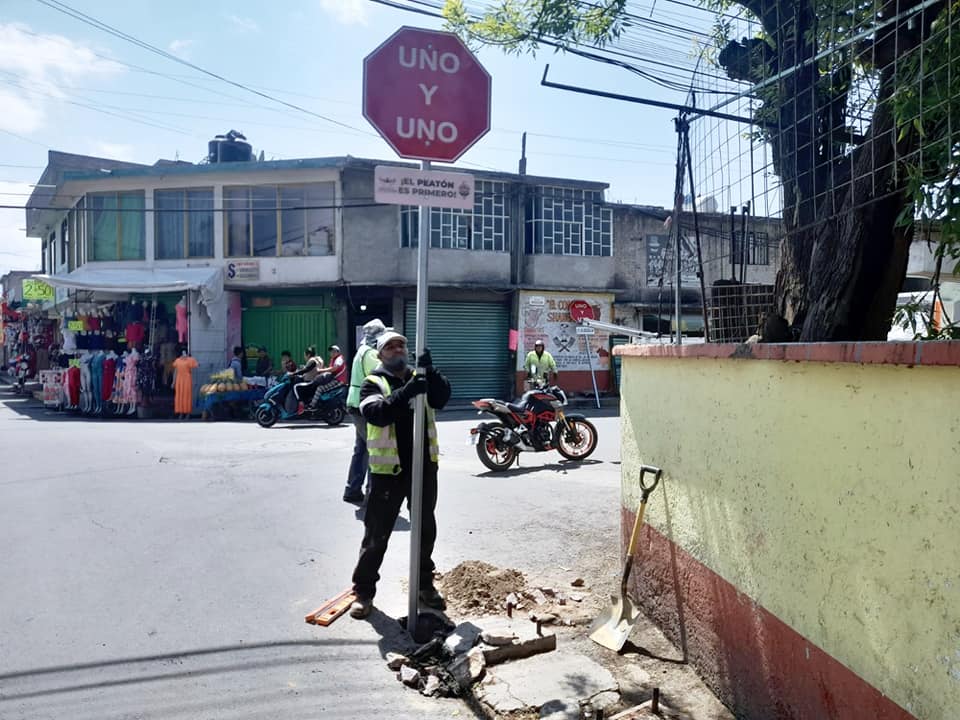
[838,279]
[843,257]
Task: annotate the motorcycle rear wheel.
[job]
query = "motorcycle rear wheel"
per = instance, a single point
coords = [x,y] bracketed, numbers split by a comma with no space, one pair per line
[267,417]
[496,457]
[335,416]
[578,440]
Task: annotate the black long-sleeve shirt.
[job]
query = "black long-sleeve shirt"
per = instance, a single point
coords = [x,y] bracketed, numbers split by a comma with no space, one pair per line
[392,410]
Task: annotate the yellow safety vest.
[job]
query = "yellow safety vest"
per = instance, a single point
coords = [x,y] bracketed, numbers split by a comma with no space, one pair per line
[382,441]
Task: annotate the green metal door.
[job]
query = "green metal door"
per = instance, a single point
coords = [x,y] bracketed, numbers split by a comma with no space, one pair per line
[468,342]
[290,328]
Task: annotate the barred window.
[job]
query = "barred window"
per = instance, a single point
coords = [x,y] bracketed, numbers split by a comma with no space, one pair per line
[486,227]
[568,221]
[758,248]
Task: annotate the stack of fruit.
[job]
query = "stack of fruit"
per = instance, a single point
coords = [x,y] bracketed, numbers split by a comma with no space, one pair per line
[221,382]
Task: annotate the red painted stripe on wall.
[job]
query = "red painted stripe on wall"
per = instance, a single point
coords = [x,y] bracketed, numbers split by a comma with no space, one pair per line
[756,664]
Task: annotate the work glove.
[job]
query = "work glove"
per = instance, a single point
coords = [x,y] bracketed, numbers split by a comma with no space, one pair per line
[416,385]
[425,360]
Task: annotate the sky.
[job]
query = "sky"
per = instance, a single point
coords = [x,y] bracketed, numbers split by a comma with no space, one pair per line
[67,86]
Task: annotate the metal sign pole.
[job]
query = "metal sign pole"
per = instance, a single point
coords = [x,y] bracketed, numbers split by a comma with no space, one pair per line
[593,373]
[419,418]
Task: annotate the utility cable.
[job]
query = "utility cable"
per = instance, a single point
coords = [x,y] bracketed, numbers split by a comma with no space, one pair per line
[93,22]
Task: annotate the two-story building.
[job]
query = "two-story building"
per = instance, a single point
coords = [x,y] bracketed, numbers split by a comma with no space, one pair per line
[291,253]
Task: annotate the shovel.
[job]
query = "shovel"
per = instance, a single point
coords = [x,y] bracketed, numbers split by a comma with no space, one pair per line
[613,626]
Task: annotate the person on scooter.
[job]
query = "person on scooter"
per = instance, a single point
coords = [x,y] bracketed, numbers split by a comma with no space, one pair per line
[308,374]
[338,364]
[286,363]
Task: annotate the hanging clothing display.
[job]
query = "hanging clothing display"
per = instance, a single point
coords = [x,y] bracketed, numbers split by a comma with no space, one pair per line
[96,372]
[73,386]
[135,333]
[183,385]
[130,377]
[147,375]
[109,374]
[86,383]
[182,325]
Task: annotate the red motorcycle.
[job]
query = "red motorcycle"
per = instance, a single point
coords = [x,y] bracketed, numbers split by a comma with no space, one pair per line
[536,424]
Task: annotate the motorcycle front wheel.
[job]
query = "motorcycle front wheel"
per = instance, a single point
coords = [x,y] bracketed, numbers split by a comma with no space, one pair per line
[494,455]
[335,416]
[267,416]
[577,440]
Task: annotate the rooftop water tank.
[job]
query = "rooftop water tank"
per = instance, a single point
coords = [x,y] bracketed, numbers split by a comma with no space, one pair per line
[231,147]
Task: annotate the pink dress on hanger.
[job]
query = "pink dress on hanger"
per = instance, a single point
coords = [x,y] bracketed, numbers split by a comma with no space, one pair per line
[182,322]
[130,378]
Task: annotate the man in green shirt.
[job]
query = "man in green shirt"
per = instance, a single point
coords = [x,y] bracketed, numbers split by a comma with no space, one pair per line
[364,362]
[540,364]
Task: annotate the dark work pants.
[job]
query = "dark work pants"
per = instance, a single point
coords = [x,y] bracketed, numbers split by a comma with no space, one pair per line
[387,495]
[359,468]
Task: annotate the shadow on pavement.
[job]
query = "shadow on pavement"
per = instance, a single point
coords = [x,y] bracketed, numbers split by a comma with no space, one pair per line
[78,677]
[561,466]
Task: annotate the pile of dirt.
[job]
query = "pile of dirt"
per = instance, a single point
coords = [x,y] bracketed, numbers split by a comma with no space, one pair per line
[475,587]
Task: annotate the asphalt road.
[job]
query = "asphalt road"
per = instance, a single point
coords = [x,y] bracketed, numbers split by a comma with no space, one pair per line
[163,569]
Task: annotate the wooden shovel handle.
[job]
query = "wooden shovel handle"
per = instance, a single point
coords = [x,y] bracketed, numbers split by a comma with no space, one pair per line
[645,493]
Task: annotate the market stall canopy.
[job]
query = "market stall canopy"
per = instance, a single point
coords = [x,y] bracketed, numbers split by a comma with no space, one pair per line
[207,280]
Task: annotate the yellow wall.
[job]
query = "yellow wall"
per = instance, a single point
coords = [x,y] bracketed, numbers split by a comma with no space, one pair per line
[827,492]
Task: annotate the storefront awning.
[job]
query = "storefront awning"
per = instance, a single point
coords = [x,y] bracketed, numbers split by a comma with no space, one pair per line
[207,280]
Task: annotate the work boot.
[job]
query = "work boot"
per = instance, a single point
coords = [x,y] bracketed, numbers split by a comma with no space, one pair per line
[432,598]
[361,608]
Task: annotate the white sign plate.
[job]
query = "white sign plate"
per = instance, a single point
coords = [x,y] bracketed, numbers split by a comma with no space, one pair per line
[408,186]
[585,330]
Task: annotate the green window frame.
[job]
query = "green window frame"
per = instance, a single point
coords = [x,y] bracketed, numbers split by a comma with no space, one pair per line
[117,226]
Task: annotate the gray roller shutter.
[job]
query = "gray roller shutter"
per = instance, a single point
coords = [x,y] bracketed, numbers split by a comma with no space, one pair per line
[468,342]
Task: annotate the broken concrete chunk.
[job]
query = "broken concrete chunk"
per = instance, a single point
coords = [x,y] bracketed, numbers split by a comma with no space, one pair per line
[561,599]
[462,638]
[577,596]
[549,591]
[468,668]
[497,637]
[520,648]
[498,696]
[538,680]
[605,700]
[577,582]
[409,676]
[395,661]
[431,686]
[537,596]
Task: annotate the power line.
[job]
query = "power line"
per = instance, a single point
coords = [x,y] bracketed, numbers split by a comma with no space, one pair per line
[93,22]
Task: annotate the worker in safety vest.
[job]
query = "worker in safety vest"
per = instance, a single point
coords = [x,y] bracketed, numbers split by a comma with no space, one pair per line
[386,403]
[364,362]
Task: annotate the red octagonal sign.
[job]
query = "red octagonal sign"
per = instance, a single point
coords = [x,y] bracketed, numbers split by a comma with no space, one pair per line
[426,94]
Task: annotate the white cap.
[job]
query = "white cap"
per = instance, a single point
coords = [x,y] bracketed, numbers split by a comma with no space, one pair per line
[373,328]
[387,337]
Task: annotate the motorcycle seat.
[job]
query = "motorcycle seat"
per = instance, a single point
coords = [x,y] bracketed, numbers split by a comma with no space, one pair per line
[518,408]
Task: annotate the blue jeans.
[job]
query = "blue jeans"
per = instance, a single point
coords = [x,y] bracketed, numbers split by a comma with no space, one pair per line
[360,462]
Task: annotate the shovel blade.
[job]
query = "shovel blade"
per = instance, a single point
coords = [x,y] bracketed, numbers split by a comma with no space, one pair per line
[612,627]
